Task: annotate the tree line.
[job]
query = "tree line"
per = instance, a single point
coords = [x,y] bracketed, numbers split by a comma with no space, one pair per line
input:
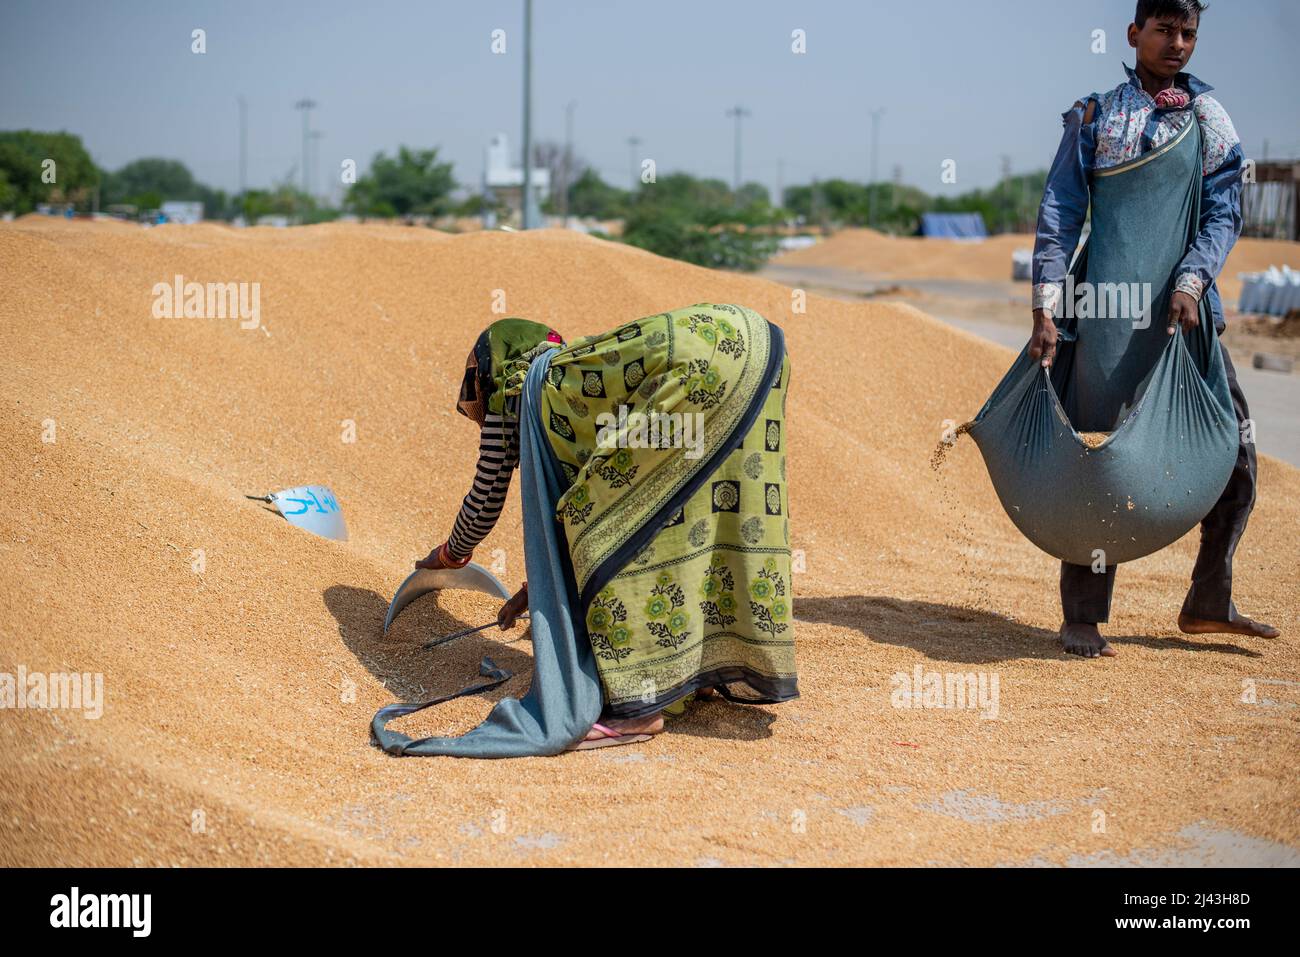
[696,219]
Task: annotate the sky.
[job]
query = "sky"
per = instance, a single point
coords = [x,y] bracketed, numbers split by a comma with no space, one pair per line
[961,80]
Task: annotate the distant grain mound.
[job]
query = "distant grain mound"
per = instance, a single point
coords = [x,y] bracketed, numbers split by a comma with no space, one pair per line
[914,257]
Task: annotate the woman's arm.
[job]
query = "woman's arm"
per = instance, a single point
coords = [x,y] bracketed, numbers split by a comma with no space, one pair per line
[498,456]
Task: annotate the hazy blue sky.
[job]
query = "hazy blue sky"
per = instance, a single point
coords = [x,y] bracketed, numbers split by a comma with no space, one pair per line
[958,79]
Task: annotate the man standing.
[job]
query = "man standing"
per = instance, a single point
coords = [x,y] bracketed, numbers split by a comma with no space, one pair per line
[1105,130]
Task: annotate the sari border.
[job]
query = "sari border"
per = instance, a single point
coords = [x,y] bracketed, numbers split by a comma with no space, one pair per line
[613,564]
[774,690]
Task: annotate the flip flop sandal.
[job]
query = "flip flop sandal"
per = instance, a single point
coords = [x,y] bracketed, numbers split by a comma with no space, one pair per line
[611,738]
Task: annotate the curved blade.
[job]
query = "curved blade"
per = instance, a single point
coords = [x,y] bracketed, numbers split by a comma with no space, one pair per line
[472,577]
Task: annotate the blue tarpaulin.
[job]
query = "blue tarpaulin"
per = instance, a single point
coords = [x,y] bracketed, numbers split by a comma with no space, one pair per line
[953,226]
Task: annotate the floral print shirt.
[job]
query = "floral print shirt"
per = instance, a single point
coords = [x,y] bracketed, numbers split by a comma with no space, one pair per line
[1126,124]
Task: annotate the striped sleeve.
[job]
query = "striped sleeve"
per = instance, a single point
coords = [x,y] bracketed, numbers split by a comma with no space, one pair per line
[498,455]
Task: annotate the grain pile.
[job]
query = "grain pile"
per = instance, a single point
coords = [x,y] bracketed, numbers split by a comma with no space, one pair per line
[913,257]
[1094,439]
[234,728]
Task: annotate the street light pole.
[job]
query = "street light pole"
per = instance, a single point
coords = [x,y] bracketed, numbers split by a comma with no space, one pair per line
[568,158]
[316,136]
[875,143]
[738,112]
[243,146]
[632,143]
[306,105]
[527,211]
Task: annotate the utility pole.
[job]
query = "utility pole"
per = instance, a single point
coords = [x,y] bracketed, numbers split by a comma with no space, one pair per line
[243,146]
[528,210]
[632,143]
[814,204]
[893,190]
[306,105]
[876,114]
[739,112]
[1006,191]
[316,136]
[1025,200]
[568,158]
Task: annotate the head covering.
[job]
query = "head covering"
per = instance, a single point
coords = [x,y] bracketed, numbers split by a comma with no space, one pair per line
[472,402]
[500,357]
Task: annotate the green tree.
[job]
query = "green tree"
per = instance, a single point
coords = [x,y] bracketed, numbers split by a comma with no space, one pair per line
[150,178]
[411,183]
[23,156]
[1010,205]
[283,199]
[151,181]
[592,196]
[702,221]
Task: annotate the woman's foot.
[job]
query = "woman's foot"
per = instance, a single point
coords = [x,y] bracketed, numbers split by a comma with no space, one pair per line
[650,724]
[621,731]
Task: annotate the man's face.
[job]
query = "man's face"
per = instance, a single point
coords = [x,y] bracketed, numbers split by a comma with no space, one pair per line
[1164,44]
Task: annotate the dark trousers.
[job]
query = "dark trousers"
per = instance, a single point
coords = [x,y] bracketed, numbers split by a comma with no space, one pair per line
[1085,594]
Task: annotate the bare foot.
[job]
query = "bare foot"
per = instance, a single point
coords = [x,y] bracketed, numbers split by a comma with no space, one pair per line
[650,724]
[1085,641]
[1239,625]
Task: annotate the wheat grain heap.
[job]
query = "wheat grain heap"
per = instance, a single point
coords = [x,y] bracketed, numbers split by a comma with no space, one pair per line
[913,257]
[242,658]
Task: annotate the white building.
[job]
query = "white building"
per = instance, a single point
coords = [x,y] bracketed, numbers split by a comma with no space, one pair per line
[504,179]
[178,211]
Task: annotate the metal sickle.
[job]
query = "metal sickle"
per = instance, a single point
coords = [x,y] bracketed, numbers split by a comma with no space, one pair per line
[461,634]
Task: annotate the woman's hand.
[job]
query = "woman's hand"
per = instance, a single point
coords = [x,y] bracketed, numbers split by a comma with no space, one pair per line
[1042,342]
[439,558]
[513,608]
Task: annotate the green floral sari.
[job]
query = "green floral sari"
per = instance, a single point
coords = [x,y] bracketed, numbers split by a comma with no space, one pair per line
[671,431]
